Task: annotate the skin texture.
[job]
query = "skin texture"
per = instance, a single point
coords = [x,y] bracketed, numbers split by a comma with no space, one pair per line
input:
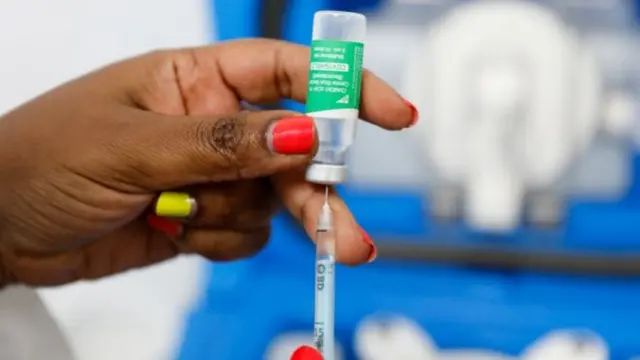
[81,164]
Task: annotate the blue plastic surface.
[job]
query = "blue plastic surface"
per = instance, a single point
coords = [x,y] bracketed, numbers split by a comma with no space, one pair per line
[460,308]
[249,302]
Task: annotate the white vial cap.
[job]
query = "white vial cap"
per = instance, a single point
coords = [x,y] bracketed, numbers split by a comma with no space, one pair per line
[327,174]
[339,25]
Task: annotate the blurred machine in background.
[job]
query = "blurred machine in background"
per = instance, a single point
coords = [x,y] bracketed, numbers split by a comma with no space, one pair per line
[507,220]
[517,121]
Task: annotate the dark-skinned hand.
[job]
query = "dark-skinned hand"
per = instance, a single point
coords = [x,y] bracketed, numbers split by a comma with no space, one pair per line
[81,165]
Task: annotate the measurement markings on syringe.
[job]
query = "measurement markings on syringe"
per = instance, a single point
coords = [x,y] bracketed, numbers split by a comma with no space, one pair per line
[318,335]
[324,309]
[324,299]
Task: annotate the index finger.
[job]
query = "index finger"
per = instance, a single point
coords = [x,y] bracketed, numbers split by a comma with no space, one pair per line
[264,70]
[305,200]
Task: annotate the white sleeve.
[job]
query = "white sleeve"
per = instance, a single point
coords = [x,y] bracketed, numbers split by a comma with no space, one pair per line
[27,331]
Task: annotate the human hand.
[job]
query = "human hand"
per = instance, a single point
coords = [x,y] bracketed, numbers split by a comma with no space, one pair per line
[82,164]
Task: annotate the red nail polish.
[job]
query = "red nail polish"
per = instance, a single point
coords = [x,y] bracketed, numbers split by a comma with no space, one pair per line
[306,353]
[374,250]
[414,113]
[167,226]
[292,136]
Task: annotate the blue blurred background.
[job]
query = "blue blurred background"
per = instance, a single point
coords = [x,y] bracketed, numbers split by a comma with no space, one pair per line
[507,220]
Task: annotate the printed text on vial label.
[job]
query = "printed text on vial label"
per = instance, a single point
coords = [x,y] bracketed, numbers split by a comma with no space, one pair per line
[335,74]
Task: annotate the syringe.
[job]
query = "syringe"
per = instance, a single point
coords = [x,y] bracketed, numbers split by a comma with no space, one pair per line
[324,331]
[333,100]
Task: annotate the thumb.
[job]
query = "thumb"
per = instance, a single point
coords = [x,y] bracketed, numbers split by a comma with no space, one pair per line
[167,152]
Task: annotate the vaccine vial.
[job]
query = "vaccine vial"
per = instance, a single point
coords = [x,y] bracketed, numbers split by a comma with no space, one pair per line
[333,97]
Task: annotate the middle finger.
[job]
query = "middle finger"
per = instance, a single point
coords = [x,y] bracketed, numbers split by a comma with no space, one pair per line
[238,205]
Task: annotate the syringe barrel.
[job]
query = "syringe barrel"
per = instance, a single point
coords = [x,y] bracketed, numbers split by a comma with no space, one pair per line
[333,96]
[324,319]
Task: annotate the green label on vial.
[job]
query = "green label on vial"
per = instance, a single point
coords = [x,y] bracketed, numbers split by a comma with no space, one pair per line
[335,74]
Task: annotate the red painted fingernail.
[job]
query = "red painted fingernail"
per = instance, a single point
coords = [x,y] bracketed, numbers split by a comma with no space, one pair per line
[306,353]
[292,136]
[374,250]
[167,226]
[414,113]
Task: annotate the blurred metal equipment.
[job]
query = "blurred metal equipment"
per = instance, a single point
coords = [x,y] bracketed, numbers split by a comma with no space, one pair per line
[380,337]
[272,16]
[513,115]
[446,202]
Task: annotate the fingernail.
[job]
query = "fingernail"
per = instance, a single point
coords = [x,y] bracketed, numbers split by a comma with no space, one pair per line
[306,353]
[292,136]
[175,205]
[168,226]
[373,254]
[414,113]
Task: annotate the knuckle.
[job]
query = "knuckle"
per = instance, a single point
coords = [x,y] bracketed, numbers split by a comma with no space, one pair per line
[225,138]
[160,60]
